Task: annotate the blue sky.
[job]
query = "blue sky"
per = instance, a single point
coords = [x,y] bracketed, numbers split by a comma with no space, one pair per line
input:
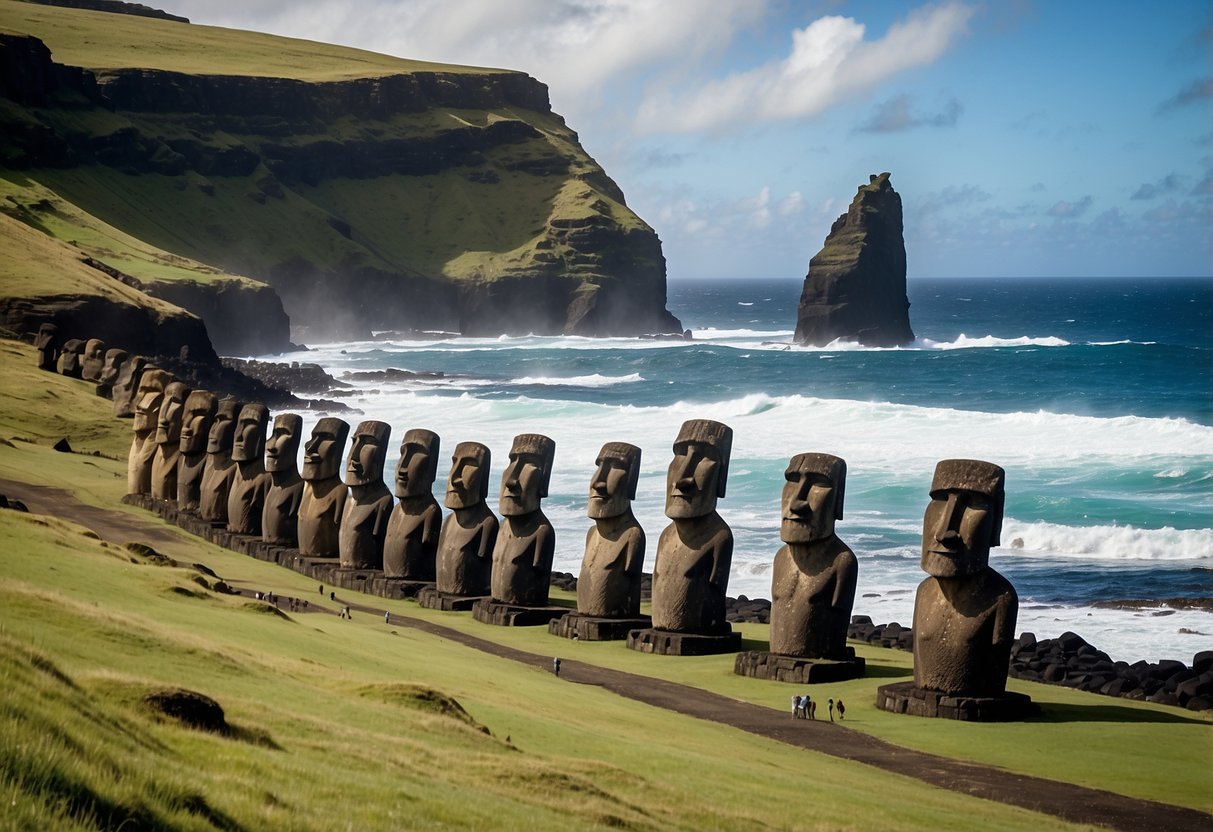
[1026,138]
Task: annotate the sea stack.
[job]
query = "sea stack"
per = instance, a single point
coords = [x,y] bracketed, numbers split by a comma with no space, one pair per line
[856,285]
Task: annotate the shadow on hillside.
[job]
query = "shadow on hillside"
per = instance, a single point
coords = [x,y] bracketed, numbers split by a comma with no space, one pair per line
[877,671]
[1056,712]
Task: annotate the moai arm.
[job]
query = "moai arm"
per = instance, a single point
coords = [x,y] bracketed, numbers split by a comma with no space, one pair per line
[845,579]
[1006,614]
[431,525]
[544,545]
[488,538]
[722,556]
[633,547]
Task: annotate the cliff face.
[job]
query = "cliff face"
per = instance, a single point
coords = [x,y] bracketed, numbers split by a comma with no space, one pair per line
[856,285]
[425,199]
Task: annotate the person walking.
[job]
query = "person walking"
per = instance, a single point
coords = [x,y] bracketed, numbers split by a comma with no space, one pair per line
[809,706]
[556,665]
[831,710]
[841,710]
[387,617]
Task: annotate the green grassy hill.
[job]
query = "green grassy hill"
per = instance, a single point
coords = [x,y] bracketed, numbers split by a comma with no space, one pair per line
[370,191]
[357,724]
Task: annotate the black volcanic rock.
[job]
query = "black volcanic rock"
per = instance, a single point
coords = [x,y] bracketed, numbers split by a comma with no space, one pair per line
[856,285]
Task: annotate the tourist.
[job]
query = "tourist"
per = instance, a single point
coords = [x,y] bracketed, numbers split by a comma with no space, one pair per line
[841,710]
[810,707]
[831,710]
[556,665]
[387,617]
[321,590]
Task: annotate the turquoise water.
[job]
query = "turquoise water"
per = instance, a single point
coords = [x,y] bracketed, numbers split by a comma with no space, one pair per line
[1093,394]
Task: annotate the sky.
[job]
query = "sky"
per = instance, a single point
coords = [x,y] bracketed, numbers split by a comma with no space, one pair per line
[1051,139]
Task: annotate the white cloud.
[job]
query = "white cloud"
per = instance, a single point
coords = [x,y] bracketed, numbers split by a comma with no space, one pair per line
[829,60]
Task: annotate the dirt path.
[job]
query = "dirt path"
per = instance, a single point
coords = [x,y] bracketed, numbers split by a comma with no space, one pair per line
[1070,802]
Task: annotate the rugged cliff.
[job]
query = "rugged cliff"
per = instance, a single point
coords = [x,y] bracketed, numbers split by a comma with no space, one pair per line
[856,285]
[416,195]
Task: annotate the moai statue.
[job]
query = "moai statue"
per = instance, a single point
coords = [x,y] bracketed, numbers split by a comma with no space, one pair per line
[964,612]
[219,468]
[126,385]
[365,517]
[410,549]
[280,517]
[609,584]
[813,585]
[93,360]
[148,397]
[110,370]
[168,441]
[72,359]
[324,493]
[522,556]
[695,552]
[246,496]
[47,345]
[195,431]
[469,532]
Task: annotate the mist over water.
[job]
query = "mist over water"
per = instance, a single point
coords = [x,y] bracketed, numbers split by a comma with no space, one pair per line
[1093,395]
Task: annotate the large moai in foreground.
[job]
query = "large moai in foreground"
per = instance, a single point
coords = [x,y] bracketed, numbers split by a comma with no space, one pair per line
[195,431]
[280,514]
[813,581]
[219,468]
[612,566]
[324,492]
[410,550]
[365,516]
[147,398]
[168,442]
[246,495]
[964,612]
[522,556]
[694,552]
[123,393]
[464,564]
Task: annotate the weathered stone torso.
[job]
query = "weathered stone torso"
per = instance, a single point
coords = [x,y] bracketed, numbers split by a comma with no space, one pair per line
[811,599]
[246,498]
[139,463]
[611,569]
[217,474]
[522,560]
[691,576]
[963,629]
[280,516]
[410,549]
[164,471]
[363,527]
[465,552]
[190,468]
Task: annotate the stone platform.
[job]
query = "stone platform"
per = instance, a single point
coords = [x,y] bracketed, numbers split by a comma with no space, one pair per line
[669,643]
[432,599]
[780,668]
[904,698]
[594,628]
[488,611]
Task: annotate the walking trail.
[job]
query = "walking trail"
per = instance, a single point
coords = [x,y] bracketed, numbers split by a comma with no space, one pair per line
[1070,802]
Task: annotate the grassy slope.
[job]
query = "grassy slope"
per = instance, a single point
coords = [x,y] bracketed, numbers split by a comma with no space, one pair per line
[298,682]
[101,40]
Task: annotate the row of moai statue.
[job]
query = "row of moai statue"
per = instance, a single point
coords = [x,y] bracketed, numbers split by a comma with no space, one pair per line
[213,457]
[89,360]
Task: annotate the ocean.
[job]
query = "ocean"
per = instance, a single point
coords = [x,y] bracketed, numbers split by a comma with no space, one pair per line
[1095,395]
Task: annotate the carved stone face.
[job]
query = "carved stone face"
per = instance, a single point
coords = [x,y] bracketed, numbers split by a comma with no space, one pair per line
[614,484]
[48,334]
[114,359]
[282,448]
[172,409]
[196,423]
[322,453]
[148,396]
[468,484]
[525,479]
[418,465]
[94,350]
[696,477]
[249,442]
[963,519]
[812,497]
[223,427]
[368,453]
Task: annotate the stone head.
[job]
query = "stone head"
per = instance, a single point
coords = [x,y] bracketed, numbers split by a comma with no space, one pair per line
[322,452]
[148,397]
[468,484]
[614,484]
[368,453]
[525,479]
[196,423]
[963,519]
[93,358]
[812,497]
[73,353]
[128,382]
[282,448]
[248,445]
[223,426]
[48,336]
[697,474]
[418,465]
[172,411]
[110,370]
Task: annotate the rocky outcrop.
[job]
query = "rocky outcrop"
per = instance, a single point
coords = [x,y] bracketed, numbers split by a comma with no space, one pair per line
[856,286]
[424,199]
[242,317]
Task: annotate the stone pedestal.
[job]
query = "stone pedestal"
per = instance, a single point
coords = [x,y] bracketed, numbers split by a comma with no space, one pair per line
[403,587]
[670,643]
[432,599]
[780,668]
[488,611]
[593,628]
[904,698]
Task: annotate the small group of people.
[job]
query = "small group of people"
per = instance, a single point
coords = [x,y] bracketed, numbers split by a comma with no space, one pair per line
[803,707]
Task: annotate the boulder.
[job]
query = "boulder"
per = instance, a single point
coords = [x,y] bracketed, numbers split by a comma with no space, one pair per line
[856,286]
